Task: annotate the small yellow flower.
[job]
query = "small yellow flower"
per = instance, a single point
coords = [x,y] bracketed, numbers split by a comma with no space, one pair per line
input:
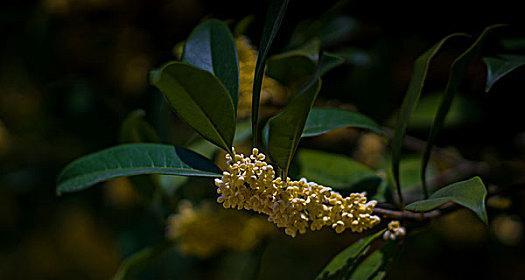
[204,230]
[394,231]
[250,183]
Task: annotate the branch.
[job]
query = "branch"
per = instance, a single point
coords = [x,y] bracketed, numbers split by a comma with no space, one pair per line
[408,215]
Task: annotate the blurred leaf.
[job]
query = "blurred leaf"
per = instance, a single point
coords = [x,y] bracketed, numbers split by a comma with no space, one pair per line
[375,266]
[469,193]
[211,47]
[135,262]
[342,265]
[331,27]
[513,44]
[411,172]
[242,25]
[133,159]
[331,61]
[419,74]
[200,100]
[332,170]
[322,120]
[458,70]
[499,67]
[354,56]
[274,18]
[135,129]
[283,131]
[462,111]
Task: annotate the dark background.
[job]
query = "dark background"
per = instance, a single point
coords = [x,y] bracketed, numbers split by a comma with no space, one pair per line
[71,70]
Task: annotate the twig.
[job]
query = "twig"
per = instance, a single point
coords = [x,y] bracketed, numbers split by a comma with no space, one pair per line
[409,215]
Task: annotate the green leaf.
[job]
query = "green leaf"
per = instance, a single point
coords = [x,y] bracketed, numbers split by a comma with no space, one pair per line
[135,129]
[132,264]
[331,61]
[200,100]
[274,18]
[458,70]
[411,173]
[499,67]
[211,47]
[419,74]
[331,27]
[242,26]
[332,170]
[463,110]
[133,159]
[341,266]
[322,120]
[469,193]
[283,131]
[355,56]
[376,265]
[295,67]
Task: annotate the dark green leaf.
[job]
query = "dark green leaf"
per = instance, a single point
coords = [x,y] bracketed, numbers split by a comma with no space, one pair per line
[458,70]
[283,131]
[419,74]
[242,25]
[355,56]
[375,266]
[499,67]
[331,61]
[332,170]
[133,159]
[135,129]
[274,18]
[295,67]
[211,47]
[463,110]
[470,194]
[132,264]
[322,120]
[200,100]
[341,266]
[331,27]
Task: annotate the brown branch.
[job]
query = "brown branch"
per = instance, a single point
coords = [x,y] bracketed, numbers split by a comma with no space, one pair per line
[409,215]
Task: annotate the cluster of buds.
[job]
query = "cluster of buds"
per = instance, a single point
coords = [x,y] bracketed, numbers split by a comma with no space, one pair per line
[251,183]
[394,231]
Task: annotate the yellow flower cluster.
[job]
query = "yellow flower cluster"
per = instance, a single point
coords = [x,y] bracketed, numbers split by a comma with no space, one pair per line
[205,230]
[394,231]
[271,89]
[250,183]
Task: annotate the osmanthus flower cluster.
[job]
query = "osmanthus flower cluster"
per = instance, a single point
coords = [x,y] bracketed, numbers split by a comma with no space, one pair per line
[205,229]
[394,231]
[271,89]
[249,182]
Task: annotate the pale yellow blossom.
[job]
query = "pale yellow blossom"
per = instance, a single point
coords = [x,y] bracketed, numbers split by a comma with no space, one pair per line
[205,230]
[394,231]
[251,183]
[271,89]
